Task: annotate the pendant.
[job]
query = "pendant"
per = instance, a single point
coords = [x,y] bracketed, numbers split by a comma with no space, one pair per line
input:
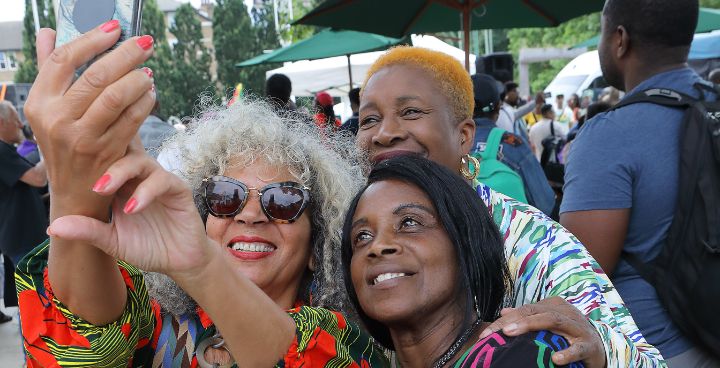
[215,342]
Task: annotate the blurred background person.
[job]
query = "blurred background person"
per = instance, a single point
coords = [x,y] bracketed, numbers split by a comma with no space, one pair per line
[324,112]
[351,124]
[154,131]
[278,89]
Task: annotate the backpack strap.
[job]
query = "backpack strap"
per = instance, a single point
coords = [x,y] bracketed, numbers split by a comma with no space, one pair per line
[552,127]
[492,146]
[660,96]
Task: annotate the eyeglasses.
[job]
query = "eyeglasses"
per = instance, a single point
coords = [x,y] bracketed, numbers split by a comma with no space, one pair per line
[281,202]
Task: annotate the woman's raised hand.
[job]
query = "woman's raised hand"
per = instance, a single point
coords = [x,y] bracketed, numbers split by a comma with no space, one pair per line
[155,224]
[84,125]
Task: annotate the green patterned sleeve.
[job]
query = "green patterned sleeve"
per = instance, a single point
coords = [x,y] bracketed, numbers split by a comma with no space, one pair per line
[53,336]
[326,338]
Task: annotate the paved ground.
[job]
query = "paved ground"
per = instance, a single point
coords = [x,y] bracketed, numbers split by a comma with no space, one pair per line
[10,350]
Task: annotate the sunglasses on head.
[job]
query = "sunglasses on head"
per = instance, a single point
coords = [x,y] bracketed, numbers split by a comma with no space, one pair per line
[281,202]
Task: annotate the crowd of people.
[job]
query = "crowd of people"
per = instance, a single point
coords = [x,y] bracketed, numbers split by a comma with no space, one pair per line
[421,232]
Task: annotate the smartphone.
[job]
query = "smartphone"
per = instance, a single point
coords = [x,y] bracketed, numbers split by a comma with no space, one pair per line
[75,17]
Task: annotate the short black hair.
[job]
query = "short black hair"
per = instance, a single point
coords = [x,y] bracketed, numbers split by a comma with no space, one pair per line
[546,109]
[278,87]
[479,246]
[354,96]
[654,23]
[510,86]
[596,108]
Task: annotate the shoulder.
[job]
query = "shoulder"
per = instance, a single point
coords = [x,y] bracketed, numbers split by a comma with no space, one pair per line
[511,139]
[533,349]
[324,336]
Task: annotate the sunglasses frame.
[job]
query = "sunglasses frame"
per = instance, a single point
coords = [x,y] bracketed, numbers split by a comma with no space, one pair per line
[291,184]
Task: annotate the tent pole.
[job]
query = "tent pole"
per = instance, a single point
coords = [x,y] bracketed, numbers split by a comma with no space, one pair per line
[350,72]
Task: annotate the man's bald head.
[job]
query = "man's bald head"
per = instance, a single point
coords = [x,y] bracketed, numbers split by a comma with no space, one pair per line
[10,124]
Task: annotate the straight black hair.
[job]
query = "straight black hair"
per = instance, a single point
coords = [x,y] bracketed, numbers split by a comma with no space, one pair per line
[479,247]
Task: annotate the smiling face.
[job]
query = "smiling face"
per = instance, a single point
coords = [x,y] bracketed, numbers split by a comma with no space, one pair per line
[404,266]
[403,110]
[274,256]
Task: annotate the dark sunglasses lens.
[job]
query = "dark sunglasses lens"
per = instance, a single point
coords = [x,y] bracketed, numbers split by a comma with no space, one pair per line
[224,198]
[283,203]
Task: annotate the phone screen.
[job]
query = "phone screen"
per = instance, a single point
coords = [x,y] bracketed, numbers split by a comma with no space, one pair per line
[76,17]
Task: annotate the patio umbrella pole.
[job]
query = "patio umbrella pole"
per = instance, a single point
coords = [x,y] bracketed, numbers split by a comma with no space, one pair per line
[350,72]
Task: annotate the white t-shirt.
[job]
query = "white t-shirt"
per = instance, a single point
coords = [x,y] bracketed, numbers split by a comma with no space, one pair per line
[506,118]
[541,130]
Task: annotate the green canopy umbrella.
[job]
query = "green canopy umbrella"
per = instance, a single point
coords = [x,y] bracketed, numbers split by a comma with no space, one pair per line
[325,44]
[400,18]
[708,20]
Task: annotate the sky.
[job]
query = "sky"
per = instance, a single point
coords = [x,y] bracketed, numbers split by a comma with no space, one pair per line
[15,9]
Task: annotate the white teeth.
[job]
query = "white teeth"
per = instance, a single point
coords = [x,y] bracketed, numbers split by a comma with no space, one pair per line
[252,247]
[387,276]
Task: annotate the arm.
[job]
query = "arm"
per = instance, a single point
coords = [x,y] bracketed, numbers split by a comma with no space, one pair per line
[548,261]
[71,120]
[601,231]
[36,177]
[163,232]
[524,110]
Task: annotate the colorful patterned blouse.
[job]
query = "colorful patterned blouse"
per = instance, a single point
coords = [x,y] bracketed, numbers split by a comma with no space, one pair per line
[532,349]
[546,260]
[145,337]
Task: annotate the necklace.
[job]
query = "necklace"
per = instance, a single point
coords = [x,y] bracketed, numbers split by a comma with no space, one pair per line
[450,353]
[216,341]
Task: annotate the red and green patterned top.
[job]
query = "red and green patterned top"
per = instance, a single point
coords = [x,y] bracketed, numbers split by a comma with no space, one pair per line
[145,337]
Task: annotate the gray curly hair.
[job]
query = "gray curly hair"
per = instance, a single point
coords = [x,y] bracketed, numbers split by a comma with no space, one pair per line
[248,131]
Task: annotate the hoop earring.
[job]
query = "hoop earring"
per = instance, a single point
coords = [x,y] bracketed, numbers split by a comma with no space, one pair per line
[469,167]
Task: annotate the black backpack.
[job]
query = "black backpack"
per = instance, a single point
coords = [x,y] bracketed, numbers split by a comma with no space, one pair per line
[554,170]
[686,273]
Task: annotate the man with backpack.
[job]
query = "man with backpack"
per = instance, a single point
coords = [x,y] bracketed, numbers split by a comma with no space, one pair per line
[506,162]
[642,186]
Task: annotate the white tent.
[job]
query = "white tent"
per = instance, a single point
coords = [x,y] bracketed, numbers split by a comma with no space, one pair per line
[331,75]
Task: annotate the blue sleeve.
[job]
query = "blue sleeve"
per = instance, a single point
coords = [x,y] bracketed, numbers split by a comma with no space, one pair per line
[599,172]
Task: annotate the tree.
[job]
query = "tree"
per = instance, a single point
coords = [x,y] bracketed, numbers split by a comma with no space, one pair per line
[266,38]
[46,13]
[710,4]
[189,75]
[153,24]
[234,41]
[566,34]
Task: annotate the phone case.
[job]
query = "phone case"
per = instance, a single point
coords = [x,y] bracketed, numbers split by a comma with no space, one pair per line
[76,17]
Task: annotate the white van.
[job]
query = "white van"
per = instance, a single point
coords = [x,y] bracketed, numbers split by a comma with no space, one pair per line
[579,75]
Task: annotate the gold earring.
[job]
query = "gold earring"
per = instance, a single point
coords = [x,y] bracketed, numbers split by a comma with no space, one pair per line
[468,172]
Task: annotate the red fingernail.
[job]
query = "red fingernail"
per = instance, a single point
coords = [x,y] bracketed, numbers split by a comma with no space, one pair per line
[145,42]
[110,26]
[148,71]
[130,205]
[101,183]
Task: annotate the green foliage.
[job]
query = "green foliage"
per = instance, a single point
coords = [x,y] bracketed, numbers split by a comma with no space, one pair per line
[188,77]
[565,35]
[239,36]
[710,4]
[266,38]
[153,24]
[27,70]
[298,32]
[233,40]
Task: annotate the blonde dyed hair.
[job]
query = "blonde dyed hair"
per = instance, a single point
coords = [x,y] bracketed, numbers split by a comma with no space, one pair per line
[251,131]
[455,83]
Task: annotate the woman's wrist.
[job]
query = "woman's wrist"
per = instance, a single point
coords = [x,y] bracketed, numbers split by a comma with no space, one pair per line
[204,271]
